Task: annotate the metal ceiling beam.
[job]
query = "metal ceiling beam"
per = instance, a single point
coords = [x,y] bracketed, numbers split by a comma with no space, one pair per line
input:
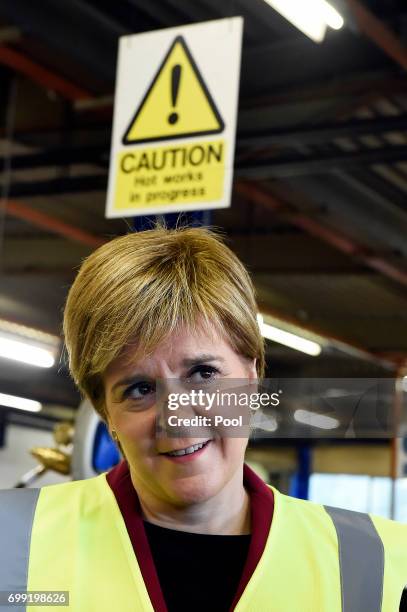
[74,184]
[10,35]
[92,128]
[269,250]
[35,253]
[339,343]
[346,85]
[294,165]
[47,222]
[65,156]
[59,24]
[281,136]
[357,85]
[357,210]
[35,271]
[264,169]
[48,79]
[368,177]
[299,63]
[77,29]
[378,32]
[193,11]
[334,238]
[316,270]
[381,206]
[252,28]
[299,165]
[322,132]
[98,52]
[162,15]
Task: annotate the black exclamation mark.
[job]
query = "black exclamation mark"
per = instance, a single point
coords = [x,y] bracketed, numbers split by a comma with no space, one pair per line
[175,80]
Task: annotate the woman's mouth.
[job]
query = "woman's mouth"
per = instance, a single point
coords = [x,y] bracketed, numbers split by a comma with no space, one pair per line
[188,453]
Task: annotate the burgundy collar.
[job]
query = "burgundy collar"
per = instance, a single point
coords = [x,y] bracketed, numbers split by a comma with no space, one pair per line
[261,507]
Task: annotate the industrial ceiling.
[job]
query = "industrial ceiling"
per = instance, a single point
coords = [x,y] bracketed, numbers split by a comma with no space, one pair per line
[319,211]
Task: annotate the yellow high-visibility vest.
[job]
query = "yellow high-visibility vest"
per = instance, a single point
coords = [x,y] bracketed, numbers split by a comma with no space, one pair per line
[316,559]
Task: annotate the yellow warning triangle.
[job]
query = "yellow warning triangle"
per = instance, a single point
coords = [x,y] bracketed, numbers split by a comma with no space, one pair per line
[177,104]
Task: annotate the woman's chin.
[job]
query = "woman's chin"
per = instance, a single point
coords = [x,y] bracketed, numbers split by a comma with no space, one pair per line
[193,489]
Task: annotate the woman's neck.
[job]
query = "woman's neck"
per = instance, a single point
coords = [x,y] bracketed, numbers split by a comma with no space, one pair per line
[226,513]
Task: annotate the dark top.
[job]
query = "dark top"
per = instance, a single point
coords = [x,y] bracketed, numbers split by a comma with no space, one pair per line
[193,567]
[403,603]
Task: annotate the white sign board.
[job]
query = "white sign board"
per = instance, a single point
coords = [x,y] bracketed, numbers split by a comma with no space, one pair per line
[174,119]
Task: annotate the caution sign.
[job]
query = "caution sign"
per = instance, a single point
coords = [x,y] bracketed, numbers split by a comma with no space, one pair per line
[190,113]
[175,119]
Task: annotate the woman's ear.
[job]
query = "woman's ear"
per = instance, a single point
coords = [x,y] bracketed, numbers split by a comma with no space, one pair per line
[109,424]
[252,370]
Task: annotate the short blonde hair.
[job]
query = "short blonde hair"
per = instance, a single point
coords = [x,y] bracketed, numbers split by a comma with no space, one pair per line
[141,287]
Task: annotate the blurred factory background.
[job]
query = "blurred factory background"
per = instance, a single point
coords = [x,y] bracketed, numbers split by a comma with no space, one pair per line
[319,212]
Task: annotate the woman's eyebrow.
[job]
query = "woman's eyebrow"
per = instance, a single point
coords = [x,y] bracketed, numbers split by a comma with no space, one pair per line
[187,362]
[126,381]
[199,359]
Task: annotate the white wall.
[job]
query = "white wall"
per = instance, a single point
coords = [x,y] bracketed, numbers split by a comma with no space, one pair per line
[15,459]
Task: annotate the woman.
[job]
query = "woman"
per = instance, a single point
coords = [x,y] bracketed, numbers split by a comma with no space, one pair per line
[182,523]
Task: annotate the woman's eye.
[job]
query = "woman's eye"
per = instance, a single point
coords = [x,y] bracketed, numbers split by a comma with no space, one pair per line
[139,390]
[203,372]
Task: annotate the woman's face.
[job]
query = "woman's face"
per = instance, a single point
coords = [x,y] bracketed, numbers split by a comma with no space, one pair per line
[132,408]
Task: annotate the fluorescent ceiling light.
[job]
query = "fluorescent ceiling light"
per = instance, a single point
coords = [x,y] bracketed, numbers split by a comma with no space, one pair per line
[27,345]
[288,339]
[22,403]
[25,352]
[315,420]
[337,393]
[332,17]
[312,17]
[266,422]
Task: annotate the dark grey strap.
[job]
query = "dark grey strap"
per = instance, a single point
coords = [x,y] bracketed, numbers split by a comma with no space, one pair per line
[361,560]
[17,507]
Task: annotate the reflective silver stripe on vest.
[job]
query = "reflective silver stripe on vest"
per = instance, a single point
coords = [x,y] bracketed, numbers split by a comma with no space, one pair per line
[361,560]
[17,507]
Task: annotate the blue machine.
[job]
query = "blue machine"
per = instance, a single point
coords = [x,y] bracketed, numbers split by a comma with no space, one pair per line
[94,451]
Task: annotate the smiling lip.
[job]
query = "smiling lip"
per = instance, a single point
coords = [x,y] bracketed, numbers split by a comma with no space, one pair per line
[188,453]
